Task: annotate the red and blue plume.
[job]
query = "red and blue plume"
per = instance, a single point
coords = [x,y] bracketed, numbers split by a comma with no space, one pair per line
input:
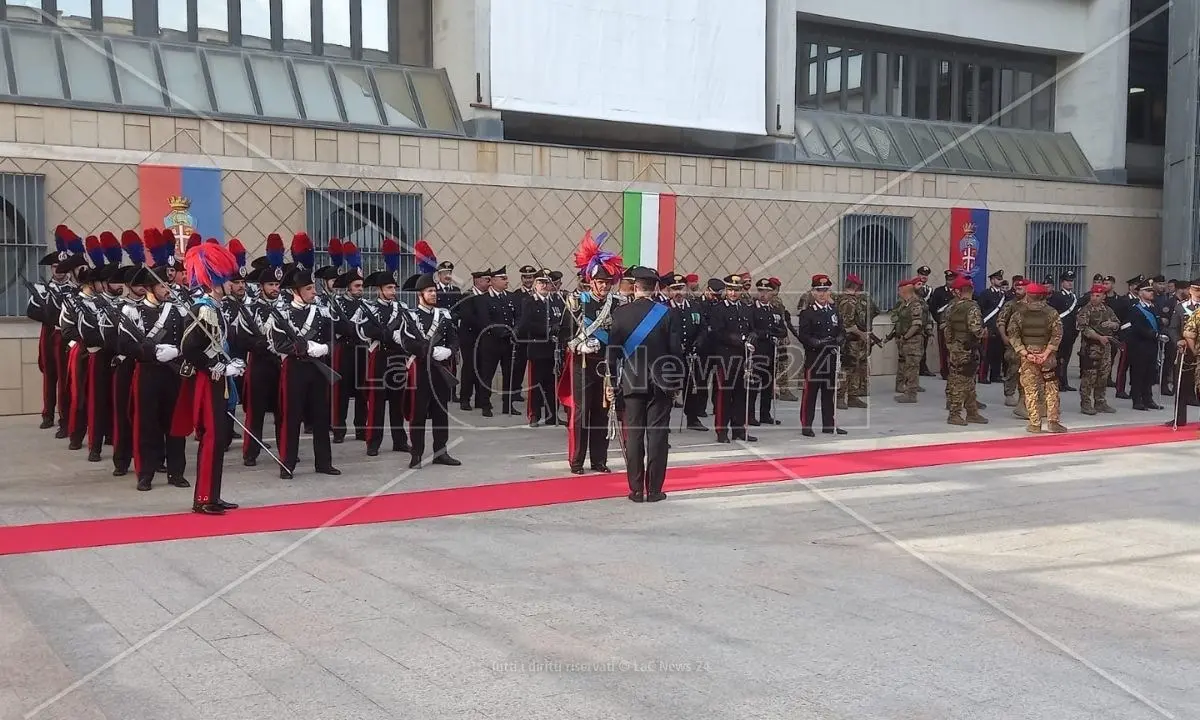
[302,250]
[239,252]
[213,241]
[161,246]
[390,249]
[352,255]
[111,247]
[193,240]
[61,234]
[72,241]
[426,260]
[132,243]
[275,250]
[95,251]
[590,257]
[209,265]
[337,252]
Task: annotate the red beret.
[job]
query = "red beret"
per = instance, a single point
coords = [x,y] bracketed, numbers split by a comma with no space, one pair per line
[961,283]
[775,282]
[1020,282]
[821,282]
[853,279]
[1099,288]
[693,278]
[907,282]
[1037,289]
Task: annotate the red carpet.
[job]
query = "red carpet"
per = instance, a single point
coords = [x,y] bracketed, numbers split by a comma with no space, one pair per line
[420,504]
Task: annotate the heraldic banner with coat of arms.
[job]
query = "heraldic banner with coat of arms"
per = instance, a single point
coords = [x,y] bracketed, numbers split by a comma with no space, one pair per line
[969,244]
[181,200]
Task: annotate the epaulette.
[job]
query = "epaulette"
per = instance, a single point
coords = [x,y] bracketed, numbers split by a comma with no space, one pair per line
[208,314]
[573,302]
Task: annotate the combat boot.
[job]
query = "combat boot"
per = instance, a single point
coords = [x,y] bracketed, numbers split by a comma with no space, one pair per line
[1106,408]
[1010,401]
[976,419]
[1055,426]
[1036,429]
[842,404]
[1020,412]
[856,403]
[789,396]
[955,419]
[1087,410]
[907,398]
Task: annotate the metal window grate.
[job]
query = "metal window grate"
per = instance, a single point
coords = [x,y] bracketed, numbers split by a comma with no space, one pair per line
[365,218]
[22,238]
[876,249]
[1052,248]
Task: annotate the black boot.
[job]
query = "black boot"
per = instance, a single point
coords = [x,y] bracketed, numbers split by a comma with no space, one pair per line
[47,423]
[144,483]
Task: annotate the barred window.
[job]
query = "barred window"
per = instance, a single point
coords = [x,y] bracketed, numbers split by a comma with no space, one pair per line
[876,249]
[365,218]
[1052,248]
[22,238]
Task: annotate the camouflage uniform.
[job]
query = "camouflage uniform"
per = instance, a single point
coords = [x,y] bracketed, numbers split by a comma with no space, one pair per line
[1191,331]
[1014,396]
[1095,358]
[1033,328]
[783,366]
[963,330]
[908,324]
[856,311]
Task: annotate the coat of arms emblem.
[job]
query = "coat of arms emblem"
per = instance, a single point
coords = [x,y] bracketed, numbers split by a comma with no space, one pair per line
[179,222]
[968,249]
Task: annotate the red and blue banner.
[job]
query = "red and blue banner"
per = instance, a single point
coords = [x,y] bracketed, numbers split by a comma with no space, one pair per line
[158,185]
[969,244]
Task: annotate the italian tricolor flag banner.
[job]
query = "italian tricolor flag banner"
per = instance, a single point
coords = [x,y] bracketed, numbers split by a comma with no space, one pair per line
[649,230]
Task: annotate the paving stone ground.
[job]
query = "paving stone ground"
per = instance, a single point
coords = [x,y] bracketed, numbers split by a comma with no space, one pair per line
[1059,588]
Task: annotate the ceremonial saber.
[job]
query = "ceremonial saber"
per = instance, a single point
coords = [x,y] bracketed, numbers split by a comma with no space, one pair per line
[246,432]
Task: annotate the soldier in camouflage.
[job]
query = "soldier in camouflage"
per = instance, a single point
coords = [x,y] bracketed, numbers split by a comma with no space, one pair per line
[857,312]
[1013,395]
[783,366]
[963,330]
[908,326]
[1035,331]
[1097,325]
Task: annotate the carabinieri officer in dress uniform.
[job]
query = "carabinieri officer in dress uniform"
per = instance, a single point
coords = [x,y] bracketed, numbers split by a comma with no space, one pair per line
[430,339]
[301,336]
[584,335]
[822,333]
[205,345]
[645,366]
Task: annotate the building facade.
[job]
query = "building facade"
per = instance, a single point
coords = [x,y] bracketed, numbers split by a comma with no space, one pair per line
[373,118]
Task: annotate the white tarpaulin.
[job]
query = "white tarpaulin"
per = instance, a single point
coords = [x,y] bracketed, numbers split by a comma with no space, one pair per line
[677,63]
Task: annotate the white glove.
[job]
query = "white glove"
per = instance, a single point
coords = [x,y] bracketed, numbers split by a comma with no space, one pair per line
[165,353]
[71,344]
[397,337]
[217,371]
[589,346]
[233,369]
[317,350]
[240,365]
[749,348]
[441,353]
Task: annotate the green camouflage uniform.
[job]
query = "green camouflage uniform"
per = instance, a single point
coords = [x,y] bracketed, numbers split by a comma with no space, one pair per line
[783,364]
[1095,358]
[857,312]
[1012,363]
[963,330]
[908,324]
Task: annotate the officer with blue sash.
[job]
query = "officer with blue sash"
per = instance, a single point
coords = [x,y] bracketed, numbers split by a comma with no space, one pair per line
[645,366]
[1142,340]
